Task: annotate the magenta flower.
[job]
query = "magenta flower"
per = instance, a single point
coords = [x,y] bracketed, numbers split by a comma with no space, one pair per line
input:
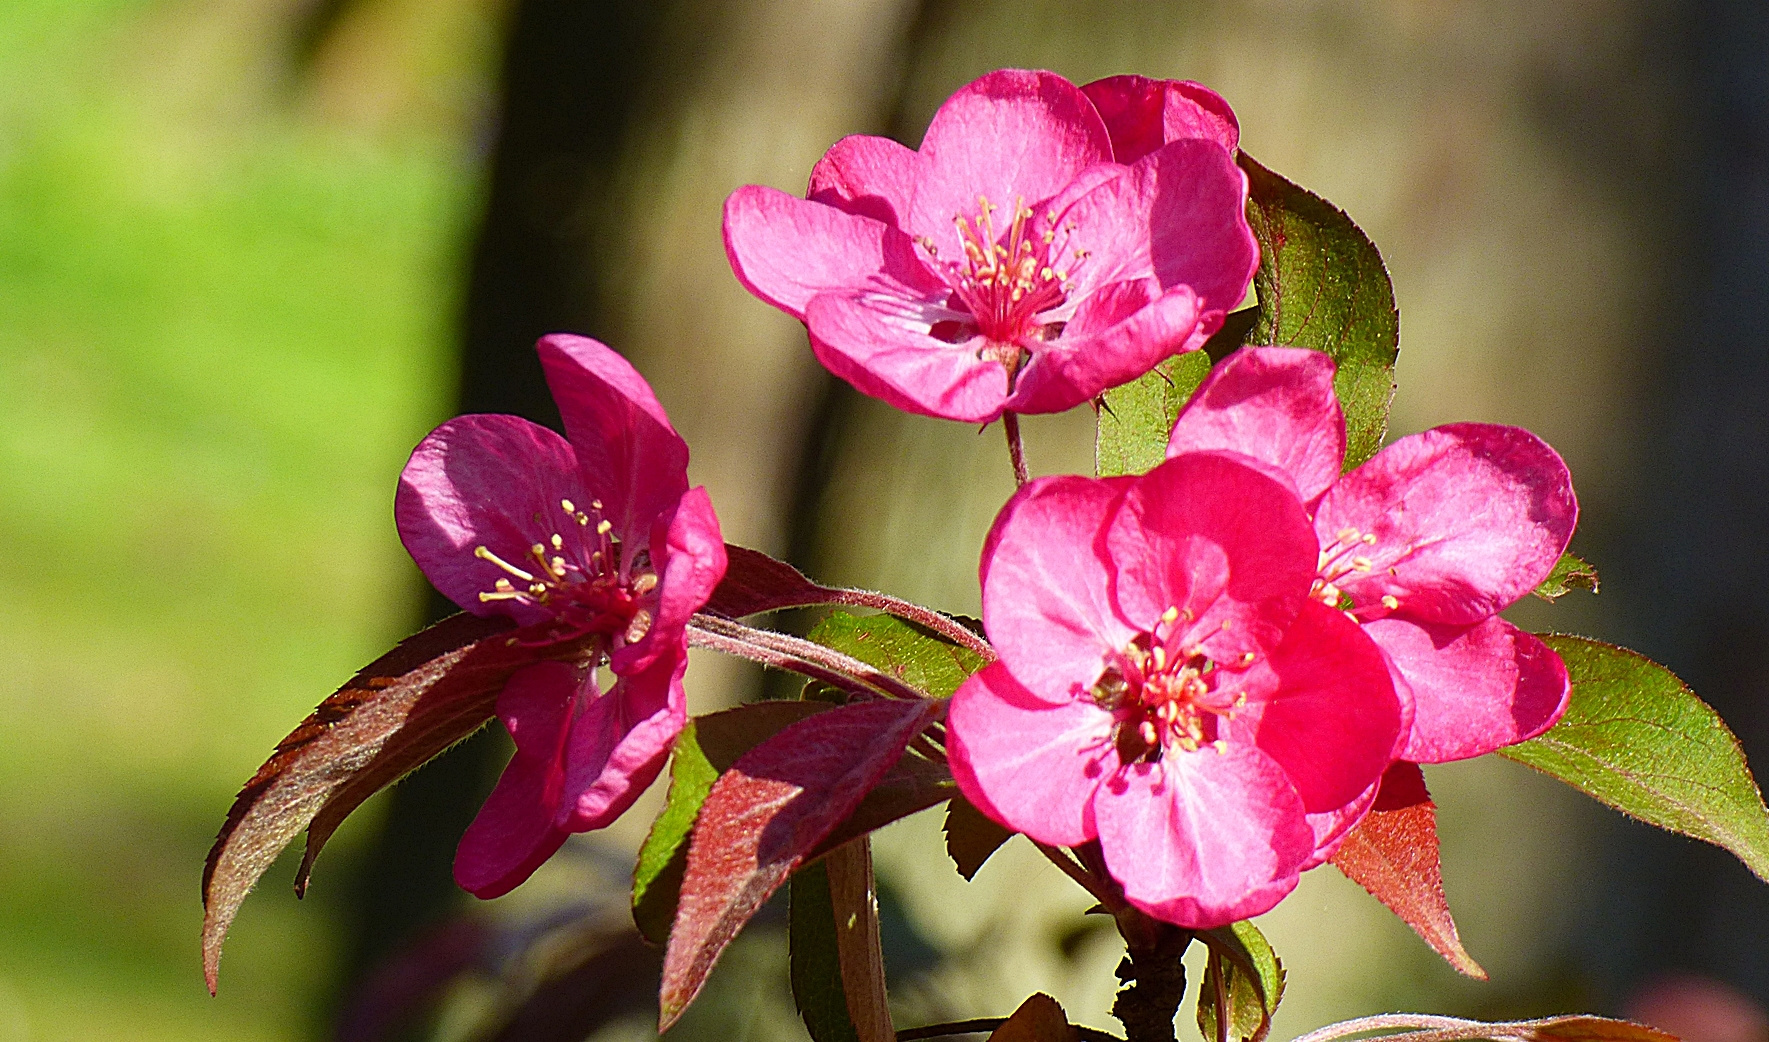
[1012,263]
[600,536]
[1423,544]
[1167,685]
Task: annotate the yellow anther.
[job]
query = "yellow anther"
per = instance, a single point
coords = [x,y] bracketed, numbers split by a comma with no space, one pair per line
[583,519]
[645,582]
[604,527]
[1345,535]
[596,505]
[1160,654]
[1148,732]
[1220,746]
[1240,699]
[568,505]
[637,628]
[559,567]
[1390,601]
[1369,539]
[1247,658]
[558,541]
[1170,615]
[1361,564]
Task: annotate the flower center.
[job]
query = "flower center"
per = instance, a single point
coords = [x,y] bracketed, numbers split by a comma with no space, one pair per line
[1348,554]
[579,578]
[1007,281]
[1166,699]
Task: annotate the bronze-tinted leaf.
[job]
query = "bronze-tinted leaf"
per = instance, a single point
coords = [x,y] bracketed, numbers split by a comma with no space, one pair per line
[1393,853]
[1039,1019]
[431,691]
[755,582]
[765,815]
[971,836]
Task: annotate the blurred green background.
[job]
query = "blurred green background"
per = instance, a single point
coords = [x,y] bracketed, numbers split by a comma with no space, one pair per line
[238,261]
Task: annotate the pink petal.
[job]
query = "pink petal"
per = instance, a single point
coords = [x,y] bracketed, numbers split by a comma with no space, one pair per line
[1202,839]
[871,176]
[1475,688]
[688,554]
[1225,543]
[1086,361]
[1467,518]
[1029,764]
[492,481]
[627,452]
[620,742]
[1334,719]
[1046,585]
[1143,114]
[1275,404]
[881,345]
[1013,137]
[1179,214]
[787,250]
[1332,826]
[514,831]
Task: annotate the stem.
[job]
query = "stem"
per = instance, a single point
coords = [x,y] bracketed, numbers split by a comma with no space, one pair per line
[853,899]
[783,651]
[941,623]
[1016,451]
[1220,976]
[982,1024]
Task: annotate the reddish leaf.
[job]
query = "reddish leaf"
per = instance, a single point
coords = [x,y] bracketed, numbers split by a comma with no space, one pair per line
[765,815]
[1393,854]
[912,784]
[755,582]
[971,836]
[1039,1019]
[1591,1029]
[410,704]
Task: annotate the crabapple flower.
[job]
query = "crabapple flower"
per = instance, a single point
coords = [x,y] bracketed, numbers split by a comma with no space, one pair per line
[596,536]
[1168,687]
[1423,544]
[1012,263]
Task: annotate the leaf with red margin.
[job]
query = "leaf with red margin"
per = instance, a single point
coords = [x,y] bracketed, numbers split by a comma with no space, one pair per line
[407,706]
[755,582]
[1393,853]
[765,815]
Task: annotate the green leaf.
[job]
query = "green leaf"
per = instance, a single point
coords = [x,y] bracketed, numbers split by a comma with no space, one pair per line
[1571,572]
[971,836]
[1322,285]
[1636,738]
[1248,973]
[815,958]
[911,653]
[706,748]
[1135,418]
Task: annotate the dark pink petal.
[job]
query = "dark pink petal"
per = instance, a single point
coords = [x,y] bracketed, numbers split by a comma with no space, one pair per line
[1046,585]
[629,455]
[1143,114]
[1029,764]
[1475,688]
[514,831]
[787,250]
[492,481]
[1467,518]
[1332,826]
[620,742]
[1335,718]
[1275,404]
[689,555]
[1013,137]
[881,345]
[1088,360]
[1220,540]
[1179,214]
[1204,838]
[871,176]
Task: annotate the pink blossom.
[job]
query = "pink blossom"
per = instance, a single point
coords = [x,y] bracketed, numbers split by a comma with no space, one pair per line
[599,535]
[1012,263]
[1423,544]
[1168,687]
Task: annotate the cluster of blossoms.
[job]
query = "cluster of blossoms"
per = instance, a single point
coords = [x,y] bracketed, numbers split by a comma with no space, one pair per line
[1208,669]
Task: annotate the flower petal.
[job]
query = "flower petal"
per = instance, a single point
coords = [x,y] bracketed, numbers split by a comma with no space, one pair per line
[1142,114]
[871,176]
[1221,540]
[880,344]
[1204,838]
[629,455]
[514,831]
[1012,137]
[688,554]
[1467,518]
[1332,826]
[1475,688]
[1275,404]
[492,481]
[620,742]
[1179,214]
[1095,354]
[1046,585]
[787,250]
[1027,763]
[1334,719]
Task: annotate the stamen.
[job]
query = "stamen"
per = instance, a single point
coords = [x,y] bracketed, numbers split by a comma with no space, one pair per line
[1390,601]
[485,554]
[568,506]
[558,541]
[645,582]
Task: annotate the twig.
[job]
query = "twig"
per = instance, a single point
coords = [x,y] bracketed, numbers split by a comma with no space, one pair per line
[1016,450]
[982,1024]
